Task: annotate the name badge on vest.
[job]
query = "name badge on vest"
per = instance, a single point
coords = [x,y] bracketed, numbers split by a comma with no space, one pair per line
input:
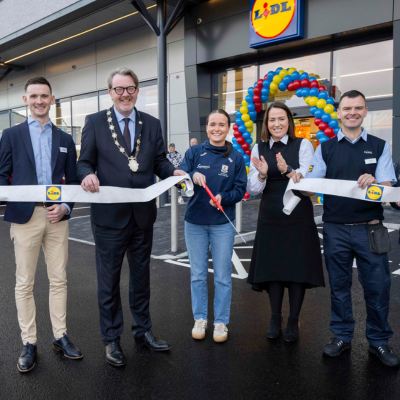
[370,161]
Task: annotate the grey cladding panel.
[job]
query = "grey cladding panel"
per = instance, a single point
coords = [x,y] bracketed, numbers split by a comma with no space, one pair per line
[190,47]
[396,92]
[215,10]
[396,10]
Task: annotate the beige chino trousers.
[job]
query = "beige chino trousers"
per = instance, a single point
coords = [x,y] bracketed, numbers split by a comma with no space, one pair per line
[28,238]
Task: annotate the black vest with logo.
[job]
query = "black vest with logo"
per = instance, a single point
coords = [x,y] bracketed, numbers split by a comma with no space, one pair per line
[347,161]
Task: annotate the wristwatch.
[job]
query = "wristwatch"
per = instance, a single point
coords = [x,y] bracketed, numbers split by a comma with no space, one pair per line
[288,171]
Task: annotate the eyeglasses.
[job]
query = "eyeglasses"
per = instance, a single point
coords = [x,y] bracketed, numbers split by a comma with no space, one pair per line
[120,90]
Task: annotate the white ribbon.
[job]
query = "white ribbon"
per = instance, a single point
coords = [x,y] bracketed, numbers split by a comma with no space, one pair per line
[106,194]
[336,187]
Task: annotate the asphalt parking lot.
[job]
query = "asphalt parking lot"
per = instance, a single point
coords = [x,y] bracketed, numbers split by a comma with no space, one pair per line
[247,366]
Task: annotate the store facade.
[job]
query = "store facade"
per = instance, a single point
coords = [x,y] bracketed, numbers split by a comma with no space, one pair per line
[345,46]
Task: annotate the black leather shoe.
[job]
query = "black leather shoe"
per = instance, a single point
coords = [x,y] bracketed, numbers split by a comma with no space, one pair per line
[335,347]
[292,330]
[114,354]
[152,342]
[275,326]
[65,345]
[26,361]
[386,355]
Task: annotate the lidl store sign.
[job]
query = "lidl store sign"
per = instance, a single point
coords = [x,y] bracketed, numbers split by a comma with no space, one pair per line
[272,21]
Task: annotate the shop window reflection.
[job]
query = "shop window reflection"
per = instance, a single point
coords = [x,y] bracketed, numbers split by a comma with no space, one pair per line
[317,65]
[368,69]
[4,121]
[60,114]
[18,115]
[105,101]
[380,124]
[232,88]
[147,100]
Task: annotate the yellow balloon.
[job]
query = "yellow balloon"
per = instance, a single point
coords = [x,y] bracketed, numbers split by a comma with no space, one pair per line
[250,130]
[321,103]
[244,110]
[313,101]
[329,108]
[249,124]
[319,198]
[245,117]
[307,99]
[273,92]
[291,70]
[273,86]
[247,170]
[283,73]
[277,79]
[301,71]
[244,103]
[334,115]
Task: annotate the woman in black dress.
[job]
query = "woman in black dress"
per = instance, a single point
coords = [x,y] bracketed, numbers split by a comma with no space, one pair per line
[286,250]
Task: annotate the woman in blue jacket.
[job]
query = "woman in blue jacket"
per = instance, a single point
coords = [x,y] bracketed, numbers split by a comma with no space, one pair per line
[223,169]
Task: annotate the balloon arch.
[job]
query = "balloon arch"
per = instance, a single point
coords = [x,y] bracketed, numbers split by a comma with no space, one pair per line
[304,85]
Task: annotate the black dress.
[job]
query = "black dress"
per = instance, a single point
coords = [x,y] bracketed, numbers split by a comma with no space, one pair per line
[286,247]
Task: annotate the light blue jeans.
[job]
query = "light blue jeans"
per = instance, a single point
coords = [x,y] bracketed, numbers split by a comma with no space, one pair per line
[198,238]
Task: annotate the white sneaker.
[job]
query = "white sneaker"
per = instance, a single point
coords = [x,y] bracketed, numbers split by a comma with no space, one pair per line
[199,329]
[220,332]
[181,201]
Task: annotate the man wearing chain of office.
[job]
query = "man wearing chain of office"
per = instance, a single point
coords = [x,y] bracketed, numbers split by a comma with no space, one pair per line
[123,147]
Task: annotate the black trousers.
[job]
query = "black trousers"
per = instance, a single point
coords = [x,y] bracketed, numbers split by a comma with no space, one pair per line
[111,246]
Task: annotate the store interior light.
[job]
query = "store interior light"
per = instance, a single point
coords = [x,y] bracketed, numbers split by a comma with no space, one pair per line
[379,95]
[74,36]
[365,72]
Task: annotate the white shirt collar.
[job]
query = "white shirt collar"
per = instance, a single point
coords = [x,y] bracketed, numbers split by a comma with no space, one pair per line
[283,140]
[363,135]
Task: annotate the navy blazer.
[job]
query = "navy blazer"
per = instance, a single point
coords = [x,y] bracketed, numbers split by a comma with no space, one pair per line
[100,154]
[17,160]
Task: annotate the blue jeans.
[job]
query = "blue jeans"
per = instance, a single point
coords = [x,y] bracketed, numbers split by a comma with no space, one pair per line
[221,238]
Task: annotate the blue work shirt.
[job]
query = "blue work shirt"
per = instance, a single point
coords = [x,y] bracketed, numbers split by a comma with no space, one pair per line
[384,168]
[121,123]
[41,144]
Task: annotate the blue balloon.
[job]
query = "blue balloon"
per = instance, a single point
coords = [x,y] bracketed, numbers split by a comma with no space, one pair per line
[238,114]
[312,78]
[282,86]
[246,158]
[287,79]
[246,135]
[234,140]
[313,109]
[266,83]
[247,164]
[322,199]
[251,92]
[264,92]
[236,146]
[330,100]
[264,99]
[298,92]
[323,139]
[249,140]
[253,115]
[323,95]
[304,75]
[318,113]
[319,194]
[336,130]
[270,75]
[314,92]
[295,76]
[305,92]
[249,100]
[241,150]
[326,117]
[242,128]
[255,84]
[333,123]
[320,134]
[251,107]
[278,70]
[239,121]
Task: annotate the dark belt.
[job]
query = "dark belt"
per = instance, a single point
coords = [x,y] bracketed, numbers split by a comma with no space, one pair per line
[42,204]
[373,222]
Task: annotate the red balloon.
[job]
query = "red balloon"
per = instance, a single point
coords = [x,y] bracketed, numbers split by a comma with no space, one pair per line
[235,127]
[290,87]
[237,134]
[317,121]
[328,132]
[246,196]
[305,83]
[256,99]
[257,91]
[296,84]
[260,83]
[248,152]
[322,126]
[245,146]
[258,105]
[266,76]
[321,88]
[241,140]
[314,84]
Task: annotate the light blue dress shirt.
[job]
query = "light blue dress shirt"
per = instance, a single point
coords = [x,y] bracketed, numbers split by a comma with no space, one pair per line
[41,144]
[384,168]
[121,123]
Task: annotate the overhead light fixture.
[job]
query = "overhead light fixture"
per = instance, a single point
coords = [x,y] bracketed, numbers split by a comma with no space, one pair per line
[364,73]
[74,36]
[380,95]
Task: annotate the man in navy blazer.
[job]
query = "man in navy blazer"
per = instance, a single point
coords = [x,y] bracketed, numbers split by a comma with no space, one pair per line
[36,152]
[123,147]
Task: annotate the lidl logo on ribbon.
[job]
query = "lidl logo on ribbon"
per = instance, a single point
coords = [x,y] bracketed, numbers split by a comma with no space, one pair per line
[53,193]
[272,21]
[374,193]
[183,186]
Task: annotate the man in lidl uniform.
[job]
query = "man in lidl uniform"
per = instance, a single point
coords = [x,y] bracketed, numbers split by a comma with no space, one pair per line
[38,153]
[355,155]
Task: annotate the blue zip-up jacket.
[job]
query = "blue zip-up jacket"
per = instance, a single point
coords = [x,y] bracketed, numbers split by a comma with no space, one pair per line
[224,176]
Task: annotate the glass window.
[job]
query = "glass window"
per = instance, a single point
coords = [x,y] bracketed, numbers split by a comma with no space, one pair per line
[147,100]
[380,124]
[368,69]
[317,65]
[232,88]
[60,114]
[81,107]
[18,115]
[105,101]
[4,121]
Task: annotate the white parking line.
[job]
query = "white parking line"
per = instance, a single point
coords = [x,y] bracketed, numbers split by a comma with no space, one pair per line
[83,216]
[82,241]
